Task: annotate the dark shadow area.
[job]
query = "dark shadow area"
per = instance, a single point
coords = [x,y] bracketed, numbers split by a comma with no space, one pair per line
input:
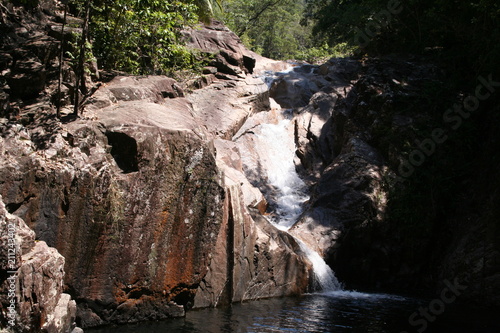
[249,63]
[124,151]
[69,118]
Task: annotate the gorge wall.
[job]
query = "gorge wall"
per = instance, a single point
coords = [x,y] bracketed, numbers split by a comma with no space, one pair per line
[397,200]
[143,194]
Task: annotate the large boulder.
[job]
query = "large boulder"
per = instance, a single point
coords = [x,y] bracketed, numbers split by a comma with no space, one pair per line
[129,196]
[37,284]
[224,106]
[377,211]
[230,55]
[343,146]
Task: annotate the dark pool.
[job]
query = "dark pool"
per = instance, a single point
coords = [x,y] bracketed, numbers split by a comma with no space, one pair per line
[339,311]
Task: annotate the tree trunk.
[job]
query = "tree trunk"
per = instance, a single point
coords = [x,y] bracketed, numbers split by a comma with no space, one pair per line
[80,75]
[61,57]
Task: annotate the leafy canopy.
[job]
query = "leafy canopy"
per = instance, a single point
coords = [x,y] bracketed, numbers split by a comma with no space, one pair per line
[143,36]
[463,33]
[273,28]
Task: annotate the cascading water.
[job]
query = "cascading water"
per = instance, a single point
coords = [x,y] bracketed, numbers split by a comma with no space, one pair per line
[277,159]
[276,149]
[324,277]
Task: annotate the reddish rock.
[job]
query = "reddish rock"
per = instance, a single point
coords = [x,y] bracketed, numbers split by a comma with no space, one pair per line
[134,196]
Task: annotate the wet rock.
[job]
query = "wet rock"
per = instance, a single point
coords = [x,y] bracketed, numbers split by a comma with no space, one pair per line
[313,139]
[353,152]
[295,88]
[345,168]
[230,164]
[252,259]
[349,192]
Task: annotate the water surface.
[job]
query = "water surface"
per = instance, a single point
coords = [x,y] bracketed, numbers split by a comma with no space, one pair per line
[338,311]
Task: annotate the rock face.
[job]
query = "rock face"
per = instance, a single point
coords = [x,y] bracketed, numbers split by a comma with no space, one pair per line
[357,124]
[133,198]
[225,105]
[231,56]
[252,259]
[133,209]
[38,285]
[144,197]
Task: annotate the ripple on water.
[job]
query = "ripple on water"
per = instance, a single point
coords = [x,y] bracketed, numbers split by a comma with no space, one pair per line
[337,311]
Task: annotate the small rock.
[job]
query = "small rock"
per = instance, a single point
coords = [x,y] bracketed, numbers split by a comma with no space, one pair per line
[209,70]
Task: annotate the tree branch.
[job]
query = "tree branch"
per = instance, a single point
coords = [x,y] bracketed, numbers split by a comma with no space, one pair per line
[268,5]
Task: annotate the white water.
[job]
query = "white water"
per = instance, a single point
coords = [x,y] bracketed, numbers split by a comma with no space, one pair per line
[276,152]
[277,159]
[270,76]
[324,277]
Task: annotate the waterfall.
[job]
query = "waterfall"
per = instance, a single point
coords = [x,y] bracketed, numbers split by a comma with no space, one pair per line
[276,148]
[277,159]
[324,277]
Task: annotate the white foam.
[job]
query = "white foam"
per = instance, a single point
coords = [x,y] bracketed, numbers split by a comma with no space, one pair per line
[277,152]
[324,276]
[345,294]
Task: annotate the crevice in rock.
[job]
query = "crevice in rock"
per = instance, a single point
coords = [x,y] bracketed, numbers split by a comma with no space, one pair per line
[34,298]
[230,249]
[249,63]
[184,295]
[14,206]
[124,151]
[138,293]
[65,202]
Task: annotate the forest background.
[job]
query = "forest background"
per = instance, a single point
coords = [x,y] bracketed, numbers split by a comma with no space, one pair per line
[143,36]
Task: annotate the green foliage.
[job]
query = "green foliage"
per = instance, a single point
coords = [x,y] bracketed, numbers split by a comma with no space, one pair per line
[337,21]
[141,36]
[206,9]
[463,34]
[72,52]
[271,27]
[276,29]
[144,37]
[320,54]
